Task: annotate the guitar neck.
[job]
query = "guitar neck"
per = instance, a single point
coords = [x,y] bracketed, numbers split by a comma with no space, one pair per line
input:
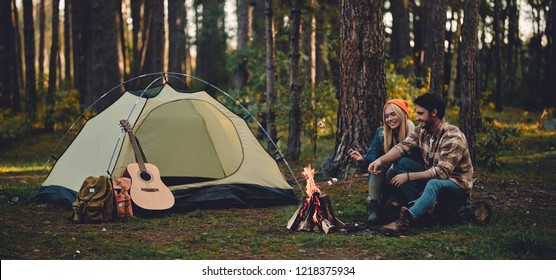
[137,151]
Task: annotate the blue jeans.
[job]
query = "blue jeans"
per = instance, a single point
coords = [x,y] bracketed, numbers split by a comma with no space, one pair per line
[427,193]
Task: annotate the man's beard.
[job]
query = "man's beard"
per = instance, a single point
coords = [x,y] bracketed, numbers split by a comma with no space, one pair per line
[427,125]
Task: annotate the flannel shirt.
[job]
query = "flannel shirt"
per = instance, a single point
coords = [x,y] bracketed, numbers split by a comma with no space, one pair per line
[445,153]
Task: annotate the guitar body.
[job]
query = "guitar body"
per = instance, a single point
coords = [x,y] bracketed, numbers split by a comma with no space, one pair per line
[147,189]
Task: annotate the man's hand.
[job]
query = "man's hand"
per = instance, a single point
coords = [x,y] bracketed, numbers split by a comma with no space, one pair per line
[374,167]
[355,155]
[400,179]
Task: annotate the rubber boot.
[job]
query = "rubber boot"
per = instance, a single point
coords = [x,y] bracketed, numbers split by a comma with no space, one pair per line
[372,211]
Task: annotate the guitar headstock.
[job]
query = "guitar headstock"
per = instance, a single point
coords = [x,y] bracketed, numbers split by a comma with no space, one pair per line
[125,125]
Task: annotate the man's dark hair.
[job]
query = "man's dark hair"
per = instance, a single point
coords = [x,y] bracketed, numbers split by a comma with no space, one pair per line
[430,102]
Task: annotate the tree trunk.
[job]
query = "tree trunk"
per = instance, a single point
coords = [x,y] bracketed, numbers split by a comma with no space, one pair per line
[8,69]
[137,7]
[154,39]
[497,57]
[438,54]
[454,59]
[29,35]
[103,53]
[211,44]
[321,62]
[512,57]
[54,53]
[177,22]
[308,34]
[550,60]
[362,82]
[469,73]
[270,72]
[67,44]
[18,57]
[258,24]
[120,27]
[400,48]
[294,135]
[240,74]
[81,37]
[42,25]
[424,27]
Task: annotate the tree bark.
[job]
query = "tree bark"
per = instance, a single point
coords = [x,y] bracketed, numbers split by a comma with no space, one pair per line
[469,73]
[52,82]
[294,135]
[8,69]
[81,37]
[42,26]
[241,75]
[177,22]
[18,57]
[67,44]
[120,28]
[29,35]
[512,57]
[438,54]
[103,53]
[550,60]
[454,58]
[137,7]
[362,82]
[423,27]
[400,48]
[258,23]
[308,34]
[211,44]
[497,57]
[154,42]
[270,73]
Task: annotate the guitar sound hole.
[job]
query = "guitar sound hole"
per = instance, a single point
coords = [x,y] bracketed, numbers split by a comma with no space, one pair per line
[145,176]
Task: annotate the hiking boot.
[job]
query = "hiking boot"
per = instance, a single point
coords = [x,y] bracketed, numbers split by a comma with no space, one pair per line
[401,225]
[372,211]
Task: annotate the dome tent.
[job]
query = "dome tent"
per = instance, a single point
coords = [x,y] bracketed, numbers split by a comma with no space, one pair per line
[206,154]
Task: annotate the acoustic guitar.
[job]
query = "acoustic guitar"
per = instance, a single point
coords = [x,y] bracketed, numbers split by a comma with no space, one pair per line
[147,189]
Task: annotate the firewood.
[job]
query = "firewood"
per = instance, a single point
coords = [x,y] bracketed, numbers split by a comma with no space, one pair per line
[327,226]
[339,223]
[294,221]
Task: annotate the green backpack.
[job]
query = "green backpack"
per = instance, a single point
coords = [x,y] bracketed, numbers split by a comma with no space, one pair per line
[95,201]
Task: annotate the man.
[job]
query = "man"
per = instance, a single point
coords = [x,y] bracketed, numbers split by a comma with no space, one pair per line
[446,170]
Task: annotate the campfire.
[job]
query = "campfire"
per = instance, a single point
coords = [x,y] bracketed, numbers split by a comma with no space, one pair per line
[315,211]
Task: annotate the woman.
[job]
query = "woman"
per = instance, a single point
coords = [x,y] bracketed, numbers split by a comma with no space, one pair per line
[396,127]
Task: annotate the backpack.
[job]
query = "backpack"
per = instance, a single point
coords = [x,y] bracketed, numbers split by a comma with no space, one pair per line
[95,202]
[123,199]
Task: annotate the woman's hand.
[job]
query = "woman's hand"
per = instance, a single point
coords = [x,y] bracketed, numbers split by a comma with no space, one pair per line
[355,155]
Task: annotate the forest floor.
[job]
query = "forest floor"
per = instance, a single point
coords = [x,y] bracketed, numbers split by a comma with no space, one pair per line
[521,193]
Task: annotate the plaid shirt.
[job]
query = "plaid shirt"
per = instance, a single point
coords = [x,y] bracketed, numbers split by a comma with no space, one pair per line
[445,153]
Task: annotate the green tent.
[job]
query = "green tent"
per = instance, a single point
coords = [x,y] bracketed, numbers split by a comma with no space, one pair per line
[206,154]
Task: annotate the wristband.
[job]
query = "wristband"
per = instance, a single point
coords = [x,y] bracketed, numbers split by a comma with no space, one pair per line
[408,177]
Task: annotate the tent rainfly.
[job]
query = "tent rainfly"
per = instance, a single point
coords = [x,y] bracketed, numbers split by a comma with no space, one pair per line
[207,155]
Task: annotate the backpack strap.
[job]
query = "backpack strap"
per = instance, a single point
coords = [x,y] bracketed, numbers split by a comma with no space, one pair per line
[82,208]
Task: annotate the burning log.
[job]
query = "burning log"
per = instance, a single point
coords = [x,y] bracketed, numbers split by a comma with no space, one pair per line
[315,212]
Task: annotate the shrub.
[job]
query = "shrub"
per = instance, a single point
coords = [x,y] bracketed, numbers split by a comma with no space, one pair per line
[489,147]
[12,126]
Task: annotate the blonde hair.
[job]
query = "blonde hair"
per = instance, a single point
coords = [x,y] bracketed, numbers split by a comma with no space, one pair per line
[404,130]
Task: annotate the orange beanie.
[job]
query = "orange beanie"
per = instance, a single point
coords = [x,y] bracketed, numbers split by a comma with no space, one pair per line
[400,103]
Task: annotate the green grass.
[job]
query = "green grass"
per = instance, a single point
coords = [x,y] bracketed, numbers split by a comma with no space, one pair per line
[521,194]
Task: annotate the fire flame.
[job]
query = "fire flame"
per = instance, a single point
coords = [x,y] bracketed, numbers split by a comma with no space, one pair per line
[312,191]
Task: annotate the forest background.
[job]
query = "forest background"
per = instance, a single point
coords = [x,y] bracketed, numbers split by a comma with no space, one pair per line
[295,65]
[315,74]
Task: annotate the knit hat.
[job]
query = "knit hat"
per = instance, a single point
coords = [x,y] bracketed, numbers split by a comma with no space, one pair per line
[400,103]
